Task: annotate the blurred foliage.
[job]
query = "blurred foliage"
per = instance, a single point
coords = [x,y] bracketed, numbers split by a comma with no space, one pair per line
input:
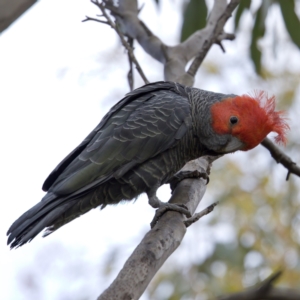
[194,16]
[195,12]
[291,20]
[257,33]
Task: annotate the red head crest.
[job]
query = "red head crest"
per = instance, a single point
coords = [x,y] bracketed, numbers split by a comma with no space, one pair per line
[255,118]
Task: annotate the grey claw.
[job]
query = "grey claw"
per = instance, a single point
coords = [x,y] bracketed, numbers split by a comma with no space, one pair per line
[187,174]
[181,208]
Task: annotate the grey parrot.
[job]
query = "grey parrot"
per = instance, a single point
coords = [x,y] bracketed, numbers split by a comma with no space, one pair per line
[139,145]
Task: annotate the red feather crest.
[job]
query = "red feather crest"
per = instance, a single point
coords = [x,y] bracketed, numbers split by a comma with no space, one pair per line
[276,119]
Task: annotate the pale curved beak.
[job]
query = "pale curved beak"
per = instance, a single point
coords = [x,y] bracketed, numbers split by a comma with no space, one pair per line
[233,145]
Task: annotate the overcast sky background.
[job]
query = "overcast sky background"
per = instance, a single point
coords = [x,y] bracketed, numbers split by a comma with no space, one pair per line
[58,78]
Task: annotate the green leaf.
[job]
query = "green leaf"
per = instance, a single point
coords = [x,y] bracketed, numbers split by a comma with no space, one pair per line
[244,4]
[194,18]
[291,20]
[257,33]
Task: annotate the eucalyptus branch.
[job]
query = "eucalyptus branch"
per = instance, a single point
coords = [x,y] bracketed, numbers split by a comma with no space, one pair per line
[127,46]
[216,34]
[281,158]
[160,242]
[163,239]
[94,19]
[200,214]
[175,58]
[256,292]
[265,291]
[130,77]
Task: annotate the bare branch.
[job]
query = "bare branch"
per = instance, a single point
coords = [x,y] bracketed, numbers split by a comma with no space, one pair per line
[255,292]
[136,29]
[200,214]
[159,243]
[218,18]
[175,58]
[224,36]
[282,294]
[281,158]
[94,19]
[265,291]
[130,77]
[163,239]
[121,35]
[11,10]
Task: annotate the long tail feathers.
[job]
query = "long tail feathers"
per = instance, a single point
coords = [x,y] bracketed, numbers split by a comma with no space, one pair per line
[32,222]
[50,214]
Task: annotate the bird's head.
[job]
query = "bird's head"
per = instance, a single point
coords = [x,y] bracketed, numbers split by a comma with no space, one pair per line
[248,120]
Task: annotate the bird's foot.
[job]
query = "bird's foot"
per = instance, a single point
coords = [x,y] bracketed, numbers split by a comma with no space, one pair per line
[164,207]
[186,174]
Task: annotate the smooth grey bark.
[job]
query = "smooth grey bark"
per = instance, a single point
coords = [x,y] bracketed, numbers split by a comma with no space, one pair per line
[10,10]
[159,243]
[175,58]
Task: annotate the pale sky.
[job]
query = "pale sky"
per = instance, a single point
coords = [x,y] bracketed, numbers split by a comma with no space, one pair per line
[58,78]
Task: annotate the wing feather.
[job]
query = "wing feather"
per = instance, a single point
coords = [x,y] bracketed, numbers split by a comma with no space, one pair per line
[147,122]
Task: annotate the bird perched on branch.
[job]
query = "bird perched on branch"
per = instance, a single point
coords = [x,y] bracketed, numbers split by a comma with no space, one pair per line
[141,143]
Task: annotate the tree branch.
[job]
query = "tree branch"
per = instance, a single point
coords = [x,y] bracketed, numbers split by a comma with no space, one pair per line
[265,291]
[130,77]
[176,58]
[127,17]
[215,34]
[87,18]
[11,10]
[167,234]
[159,243]
[201,214]
[281,158]
[129,49]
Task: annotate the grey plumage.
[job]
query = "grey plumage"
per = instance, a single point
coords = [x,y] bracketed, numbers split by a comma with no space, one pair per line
[139,145]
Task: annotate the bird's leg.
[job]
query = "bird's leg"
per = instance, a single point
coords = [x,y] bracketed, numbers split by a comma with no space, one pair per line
[162,207]
[184,175]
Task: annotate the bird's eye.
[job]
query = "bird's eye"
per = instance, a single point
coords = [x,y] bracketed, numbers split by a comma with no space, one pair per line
[233,120]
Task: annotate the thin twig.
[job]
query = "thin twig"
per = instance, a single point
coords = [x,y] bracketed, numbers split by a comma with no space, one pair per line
[130,72]
[281,158]
[200,214]
[215,37]
[122,37]
[94,19]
